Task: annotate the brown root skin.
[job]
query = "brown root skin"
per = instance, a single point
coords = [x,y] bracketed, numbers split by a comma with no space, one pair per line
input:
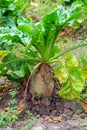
[42,82]
[39,82]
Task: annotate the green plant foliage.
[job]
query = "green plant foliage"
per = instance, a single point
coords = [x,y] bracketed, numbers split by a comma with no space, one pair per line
[37,40]
[12,9]
[72,77]
[28,123]
[10,116]
[83,11]
[30,43]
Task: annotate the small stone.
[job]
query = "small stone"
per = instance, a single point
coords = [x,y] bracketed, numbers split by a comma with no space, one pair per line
[38,128]
[54,112]
[68,112]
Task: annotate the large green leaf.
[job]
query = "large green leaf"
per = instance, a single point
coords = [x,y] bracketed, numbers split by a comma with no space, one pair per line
[26,26]
[14,34]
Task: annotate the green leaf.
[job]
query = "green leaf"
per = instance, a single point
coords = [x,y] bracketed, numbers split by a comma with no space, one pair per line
[25,69]
[26,26]
[14,34]
[10,22]
[84,62]
[11,7]
[3,69]
[78,79]
[19,73]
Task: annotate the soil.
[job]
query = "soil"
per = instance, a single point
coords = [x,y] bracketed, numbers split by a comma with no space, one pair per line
[54,113]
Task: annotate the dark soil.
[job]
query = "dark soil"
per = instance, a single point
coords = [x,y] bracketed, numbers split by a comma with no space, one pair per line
[54,113]
[52,106]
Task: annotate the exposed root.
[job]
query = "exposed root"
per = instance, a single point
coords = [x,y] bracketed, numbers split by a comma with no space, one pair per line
[26,96]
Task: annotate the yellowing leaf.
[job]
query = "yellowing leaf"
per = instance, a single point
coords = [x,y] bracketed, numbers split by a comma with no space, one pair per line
[67,92]
[61,73]
[85,74]
[53,118]
[74,85]
[3,54]
[71,61]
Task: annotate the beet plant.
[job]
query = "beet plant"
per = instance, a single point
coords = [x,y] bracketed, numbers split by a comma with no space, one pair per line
[30,49]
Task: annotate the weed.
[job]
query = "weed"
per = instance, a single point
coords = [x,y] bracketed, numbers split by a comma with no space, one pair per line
[29,122]
[9,117]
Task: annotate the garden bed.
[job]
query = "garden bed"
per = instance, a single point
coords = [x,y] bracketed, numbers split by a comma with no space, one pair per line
[47,114]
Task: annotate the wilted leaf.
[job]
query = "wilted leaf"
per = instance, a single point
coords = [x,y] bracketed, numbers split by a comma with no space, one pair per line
[21,107]
[53,118]
[62,34]
[84,105]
